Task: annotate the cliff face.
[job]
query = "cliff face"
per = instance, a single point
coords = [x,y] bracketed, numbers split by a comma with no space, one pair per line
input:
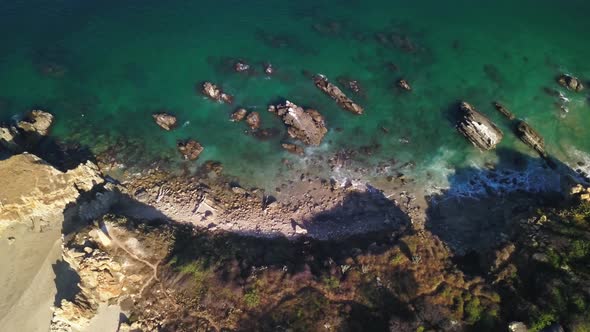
[33,199]
[31,188]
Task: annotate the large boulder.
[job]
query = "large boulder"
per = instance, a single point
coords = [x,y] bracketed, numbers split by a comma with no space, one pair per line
[308,126]
[531,137]
[570,82]
[36,122]
[164,120]
[27,133]
[502,109]
[477,128]
[238,115]
[333,91]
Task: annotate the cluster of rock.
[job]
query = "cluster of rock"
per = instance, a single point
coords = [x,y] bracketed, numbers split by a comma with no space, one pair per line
[27,132]
[570,82]
[477,128]
[307,126]
[581,192]
[241,66]
[333,91]
[213,92]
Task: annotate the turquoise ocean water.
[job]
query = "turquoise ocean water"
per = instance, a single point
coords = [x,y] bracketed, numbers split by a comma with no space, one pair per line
[114,63]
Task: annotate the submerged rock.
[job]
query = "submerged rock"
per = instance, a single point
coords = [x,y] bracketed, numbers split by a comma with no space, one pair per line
[570,82]
[308,126]
[502,109]
[253,120]
[164,120]
[531,137]
[478,129]
[238,115]
[293,148]
[190,149]
[333,91]
[212,91]
[351,84]
[404,85]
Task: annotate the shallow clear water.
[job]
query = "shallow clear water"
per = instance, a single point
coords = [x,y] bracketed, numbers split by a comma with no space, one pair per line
[123,60]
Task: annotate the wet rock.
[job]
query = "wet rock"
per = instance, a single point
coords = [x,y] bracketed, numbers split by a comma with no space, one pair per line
[404,85]
[164,120]
[36,122]
[213,92]
[477,128]
[502,109]
[10,139]
[268,69]
[293,148]
[190,149]
[531,137]
[238,115]
[517,327]
[570,82]
[308,126]
[253,120]
[241,66]
[333,91]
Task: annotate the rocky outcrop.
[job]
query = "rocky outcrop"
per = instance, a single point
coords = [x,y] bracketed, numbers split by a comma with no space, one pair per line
[333,91]
[27,132]
[268,69]
[531,137]
[238,115]
[581,192]
[31,188]
[164,120]
[190,149]
[477,128]
[570,82]
[502,109]
[308,126]
[36,122]
[213,92]
[253,120]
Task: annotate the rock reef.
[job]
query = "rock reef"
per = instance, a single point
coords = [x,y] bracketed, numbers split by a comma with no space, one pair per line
[531,137]
[190,149]
[335,93]
[570,82]
[477,128]
[213,92]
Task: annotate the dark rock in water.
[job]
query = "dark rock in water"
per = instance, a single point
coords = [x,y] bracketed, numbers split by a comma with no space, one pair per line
[238,115]
[190,149]
[308,126]
[333,91]
[404,85]
[502,109]
[266,133]
[478,129]
[253,120]
[293,148]
[164,120]
[570,82]
[212,91]
[531,137]
[350,84]
[241,66]
[493,73]
[268,69]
